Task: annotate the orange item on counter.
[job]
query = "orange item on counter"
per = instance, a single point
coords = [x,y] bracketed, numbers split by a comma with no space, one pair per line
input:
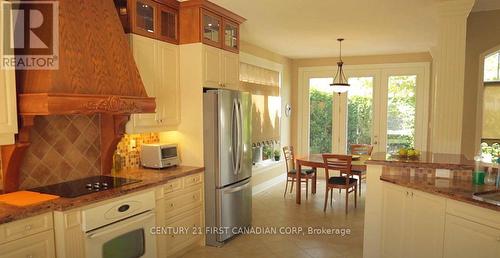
[25,198]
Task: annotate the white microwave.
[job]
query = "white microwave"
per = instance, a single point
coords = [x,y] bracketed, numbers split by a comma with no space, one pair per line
[159,155]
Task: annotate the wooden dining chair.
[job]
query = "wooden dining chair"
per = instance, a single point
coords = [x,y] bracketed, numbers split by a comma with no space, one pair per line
[361,149]
[291,173]
[342,163]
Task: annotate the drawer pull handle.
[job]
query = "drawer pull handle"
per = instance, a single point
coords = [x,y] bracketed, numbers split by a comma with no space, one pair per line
[28,227]
[194,197]
[171,205]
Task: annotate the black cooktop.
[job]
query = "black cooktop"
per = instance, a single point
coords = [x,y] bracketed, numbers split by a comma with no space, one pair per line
[84,186]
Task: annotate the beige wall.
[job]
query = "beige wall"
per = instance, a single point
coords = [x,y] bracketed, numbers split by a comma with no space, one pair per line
[483,34]
[349,60]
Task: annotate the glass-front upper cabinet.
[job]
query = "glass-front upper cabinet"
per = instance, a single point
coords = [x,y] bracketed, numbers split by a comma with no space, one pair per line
[168,24]
[211,26]
[231,37]
[145,17]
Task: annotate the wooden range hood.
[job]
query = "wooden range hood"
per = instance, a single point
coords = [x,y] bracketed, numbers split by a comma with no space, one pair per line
[96,74]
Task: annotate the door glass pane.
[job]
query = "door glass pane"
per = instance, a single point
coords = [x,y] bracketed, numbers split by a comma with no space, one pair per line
[128,245]
[168,24]
[211,28]
[320,115]
[359,115]
[401,112]
[231,36]
[145,16]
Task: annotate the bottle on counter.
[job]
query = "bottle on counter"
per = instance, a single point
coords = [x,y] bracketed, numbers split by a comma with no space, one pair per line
[491,177]
[478,174]
[117,162]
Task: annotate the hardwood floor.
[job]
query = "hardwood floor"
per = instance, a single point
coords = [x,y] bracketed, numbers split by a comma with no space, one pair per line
[270,209]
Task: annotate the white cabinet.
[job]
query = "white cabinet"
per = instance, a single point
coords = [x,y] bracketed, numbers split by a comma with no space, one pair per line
[180,205]
[40,245]
[8,111]
[31,237]
[412,223]
[465,239]
[471,231]
[220,68]
[158,64]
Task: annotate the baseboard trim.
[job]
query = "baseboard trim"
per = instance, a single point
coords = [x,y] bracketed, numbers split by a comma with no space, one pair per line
[268,184]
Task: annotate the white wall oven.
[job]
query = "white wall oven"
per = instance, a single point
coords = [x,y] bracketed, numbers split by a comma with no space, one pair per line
[121,229]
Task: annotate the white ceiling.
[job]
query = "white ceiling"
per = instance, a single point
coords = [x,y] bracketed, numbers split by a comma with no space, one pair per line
[309,28]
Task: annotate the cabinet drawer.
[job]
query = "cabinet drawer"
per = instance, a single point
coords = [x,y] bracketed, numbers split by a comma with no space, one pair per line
[183,202]
[40,245]
[193,180]
[22,228]
[191,223]
[473,213]
[173,185]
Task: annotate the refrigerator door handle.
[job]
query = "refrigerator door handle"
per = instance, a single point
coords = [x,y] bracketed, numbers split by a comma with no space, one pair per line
[239,188]
[235,137]
[239,136]
[240,140]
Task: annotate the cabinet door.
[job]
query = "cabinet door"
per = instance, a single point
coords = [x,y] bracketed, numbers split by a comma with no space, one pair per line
[211,28]
[426,218]
[144,50]
[168,20]
[212,67]
[8,112]
[394,231]
[231,36]
[40,245]
[231,70]
[465,239]
[144,18]
[168,98]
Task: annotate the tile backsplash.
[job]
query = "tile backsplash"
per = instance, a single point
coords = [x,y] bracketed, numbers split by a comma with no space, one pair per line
[130,146]
[62,148]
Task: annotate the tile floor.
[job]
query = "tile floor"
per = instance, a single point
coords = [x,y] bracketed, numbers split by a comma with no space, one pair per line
[270,209]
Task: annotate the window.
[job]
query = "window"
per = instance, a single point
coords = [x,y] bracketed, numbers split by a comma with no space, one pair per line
[401,110]
[359,110]
[492,67]
[320,115]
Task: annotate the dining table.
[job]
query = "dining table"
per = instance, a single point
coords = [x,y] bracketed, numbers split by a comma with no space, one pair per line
[316,161]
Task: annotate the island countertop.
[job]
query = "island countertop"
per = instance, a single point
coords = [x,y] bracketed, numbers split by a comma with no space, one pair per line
[150,178]
[425,160]
[460,190]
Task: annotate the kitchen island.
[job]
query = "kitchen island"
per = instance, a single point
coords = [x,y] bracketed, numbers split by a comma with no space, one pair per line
[424,208]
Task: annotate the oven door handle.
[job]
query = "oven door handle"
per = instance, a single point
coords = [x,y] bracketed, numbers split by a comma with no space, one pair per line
[122,224]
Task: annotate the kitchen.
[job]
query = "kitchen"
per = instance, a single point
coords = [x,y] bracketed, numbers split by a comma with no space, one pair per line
[161,133]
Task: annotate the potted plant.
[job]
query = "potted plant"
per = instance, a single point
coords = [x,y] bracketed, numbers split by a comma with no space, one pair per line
[267,153]
[277,155]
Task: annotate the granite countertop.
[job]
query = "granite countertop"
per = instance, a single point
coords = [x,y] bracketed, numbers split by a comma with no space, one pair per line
[460,190]
[425,160]
[149,178]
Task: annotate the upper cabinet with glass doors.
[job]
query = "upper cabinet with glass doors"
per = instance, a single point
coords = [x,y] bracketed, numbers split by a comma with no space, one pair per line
[206,22]
[157,19]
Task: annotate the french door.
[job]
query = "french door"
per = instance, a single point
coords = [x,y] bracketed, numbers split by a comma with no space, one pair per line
[386,107]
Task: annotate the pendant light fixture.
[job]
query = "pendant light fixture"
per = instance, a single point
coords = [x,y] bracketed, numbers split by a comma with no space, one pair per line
[340,83]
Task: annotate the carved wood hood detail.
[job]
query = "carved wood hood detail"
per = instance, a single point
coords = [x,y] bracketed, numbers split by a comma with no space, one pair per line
[97,72]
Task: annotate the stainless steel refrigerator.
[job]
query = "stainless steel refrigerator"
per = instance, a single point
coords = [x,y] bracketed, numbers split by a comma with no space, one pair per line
[227,124]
